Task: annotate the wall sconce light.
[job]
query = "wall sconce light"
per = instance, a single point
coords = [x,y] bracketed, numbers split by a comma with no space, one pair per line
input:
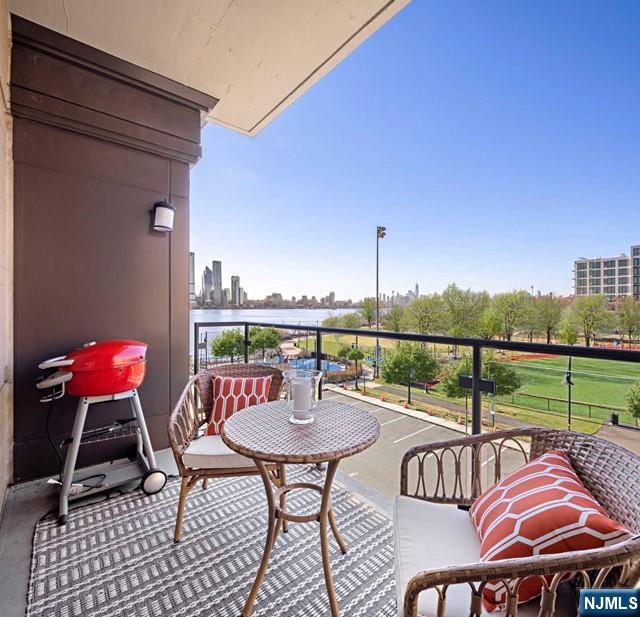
[163,213]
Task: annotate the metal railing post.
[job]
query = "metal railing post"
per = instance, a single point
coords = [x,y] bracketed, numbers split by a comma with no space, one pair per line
[319,359]
[247,342]
[476,393]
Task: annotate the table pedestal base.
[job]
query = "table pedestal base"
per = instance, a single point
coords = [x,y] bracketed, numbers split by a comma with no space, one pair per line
[279,517]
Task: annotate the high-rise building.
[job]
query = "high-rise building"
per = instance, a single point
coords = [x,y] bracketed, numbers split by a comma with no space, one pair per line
[332,298]
[192,279]
[216,267]
[207,284]
[613,277]
[417,290]
[235,290]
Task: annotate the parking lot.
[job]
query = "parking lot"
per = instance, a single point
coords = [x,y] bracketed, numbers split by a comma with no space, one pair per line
[378,468]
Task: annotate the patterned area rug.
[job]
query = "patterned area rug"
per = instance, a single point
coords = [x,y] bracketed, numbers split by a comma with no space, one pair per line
[117,557]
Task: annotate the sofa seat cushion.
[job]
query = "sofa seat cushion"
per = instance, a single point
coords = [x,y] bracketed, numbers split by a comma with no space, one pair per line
[210,452]
[433,536]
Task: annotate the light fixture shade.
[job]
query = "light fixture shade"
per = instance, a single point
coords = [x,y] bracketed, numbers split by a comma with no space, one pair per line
[163,213]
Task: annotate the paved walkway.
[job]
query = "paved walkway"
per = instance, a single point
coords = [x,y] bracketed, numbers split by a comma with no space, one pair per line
[419,395]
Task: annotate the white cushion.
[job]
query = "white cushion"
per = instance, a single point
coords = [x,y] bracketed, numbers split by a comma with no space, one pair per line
[210,452]
[431,536]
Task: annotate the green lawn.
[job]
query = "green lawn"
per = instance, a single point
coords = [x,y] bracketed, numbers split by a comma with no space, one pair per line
[595,381]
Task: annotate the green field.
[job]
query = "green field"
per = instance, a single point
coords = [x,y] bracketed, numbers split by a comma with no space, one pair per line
[599,382]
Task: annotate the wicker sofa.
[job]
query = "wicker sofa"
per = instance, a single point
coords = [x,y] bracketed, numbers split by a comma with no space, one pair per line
[438,569]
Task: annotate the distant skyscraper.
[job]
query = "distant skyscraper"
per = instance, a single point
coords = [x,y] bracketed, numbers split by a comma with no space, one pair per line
[417,290]
[235,290]
[192,278]
[207,284]
[332,298]
[216,267]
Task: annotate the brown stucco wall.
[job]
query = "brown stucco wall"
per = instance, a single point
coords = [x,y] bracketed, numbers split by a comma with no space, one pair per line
[96,142]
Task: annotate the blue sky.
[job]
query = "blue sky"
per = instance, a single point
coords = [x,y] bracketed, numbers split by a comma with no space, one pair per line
[497,141]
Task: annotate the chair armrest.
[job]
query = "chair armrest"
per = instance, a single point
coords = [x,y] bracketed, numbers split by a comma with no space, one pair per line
[455,477]
[592,565]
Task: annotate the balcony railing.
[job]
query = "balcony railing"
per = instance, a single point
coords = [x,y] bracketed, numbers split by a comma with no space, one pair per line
[476,345]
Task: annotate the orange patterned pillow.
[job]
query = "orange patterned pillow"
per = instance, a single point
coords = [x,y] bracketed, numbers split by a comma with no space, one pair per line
[540,508]
[231,394]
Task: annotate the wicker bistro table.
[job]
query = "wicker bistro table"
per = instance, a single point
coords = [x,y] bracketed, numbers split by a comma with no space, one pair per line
[264,433]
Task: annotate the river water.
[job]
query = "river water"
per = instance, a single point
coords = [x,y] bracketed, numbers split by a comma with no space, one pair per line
[308,317]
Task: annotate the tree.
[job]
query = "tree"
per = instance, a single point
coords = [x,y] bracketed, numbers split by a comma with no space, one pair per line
[355,355]
[513,309]
[568,331]
[506,378]
[229,344]
[350,320]
[590,313]
[263,339]
[548,314]
[343,352]
[394,319]
[425,315]
[407,364]
[463,309]
[368,310]
[629,317]
[633,401]
[332,322]
[489,325]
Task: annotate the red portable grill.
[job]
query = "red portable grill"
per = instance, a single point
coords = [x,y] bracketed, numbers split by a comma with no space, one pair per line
[100,372]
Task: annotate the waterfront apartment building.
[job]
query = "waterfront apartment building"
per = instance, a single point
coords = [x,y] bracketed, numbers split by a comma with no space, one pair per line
[192,279]
[235,290]
[613,277]
[216,269]
[207,285]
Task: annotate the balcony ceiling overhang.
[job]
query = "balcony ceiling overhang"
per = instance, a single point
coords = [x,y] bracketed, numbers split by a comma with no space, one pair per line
[255,56]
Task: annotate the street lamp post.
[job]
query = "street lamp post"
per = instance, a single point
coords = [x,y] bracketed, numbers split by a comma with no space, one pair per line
[567,381]
[381,232]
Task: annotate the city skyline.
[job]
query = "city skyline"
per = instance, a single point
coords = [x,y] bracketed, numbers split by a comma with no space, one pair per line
[235,295]
[486,162]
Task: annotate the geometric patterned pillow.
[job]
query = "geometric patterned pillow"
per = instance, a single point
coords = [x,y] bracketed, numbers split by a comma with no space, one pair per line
[539,509]
[231,394]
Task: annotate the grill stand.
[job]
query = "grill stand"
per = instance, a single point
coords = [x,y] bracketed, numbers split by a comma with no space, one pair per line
[153,479]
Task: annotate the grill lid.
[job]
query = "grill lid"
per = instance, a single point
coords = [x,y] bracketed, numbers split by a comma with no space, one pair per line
[116,353]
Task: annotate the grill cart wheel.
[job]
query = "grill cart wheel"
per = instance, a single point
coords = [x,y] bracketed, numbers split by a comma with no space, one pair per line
[153,481]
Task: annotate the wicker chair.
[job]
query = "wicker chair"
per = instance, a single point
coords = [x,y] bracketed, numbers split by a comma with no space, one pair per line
[201,458]
[455,472]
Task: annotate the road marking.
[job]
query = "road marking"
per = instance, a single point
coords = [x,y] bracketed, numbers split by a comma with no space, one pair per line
[394,420]
[491,458]
[353,474]
[422,430]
